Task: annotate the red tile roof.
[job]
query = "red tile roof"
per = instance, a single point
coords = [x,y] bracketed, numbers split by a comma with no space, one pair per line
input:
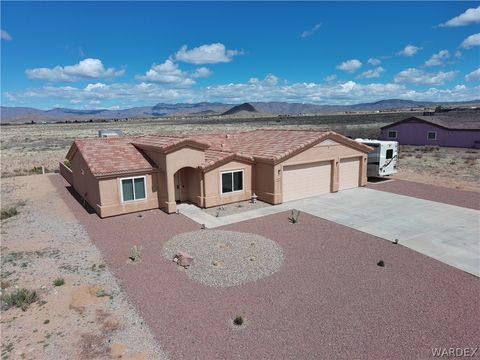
[105,156]
[122,155]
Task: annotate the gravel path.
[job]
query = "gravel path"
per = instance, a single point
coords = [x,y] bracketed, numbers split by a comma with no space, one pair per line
[226,258]
[468,199]
[329,300]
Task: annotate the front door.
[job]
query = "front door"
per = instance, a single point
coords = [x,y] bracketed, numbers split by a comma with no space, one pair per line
[177,184]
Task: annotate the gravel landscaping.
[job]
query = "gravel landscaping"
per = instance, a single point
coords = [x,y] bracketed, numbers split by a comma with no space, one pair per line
[226,258]
[329,300]
[468,199]
[235,208]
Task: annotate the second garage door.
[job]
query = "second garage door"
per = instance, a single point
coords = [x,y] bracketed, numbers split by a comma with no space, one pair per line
[301,181]
[349,173]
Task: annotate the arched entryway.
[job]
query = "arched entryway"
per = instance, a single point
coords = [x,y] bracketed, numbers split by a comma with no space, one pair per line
[187,185]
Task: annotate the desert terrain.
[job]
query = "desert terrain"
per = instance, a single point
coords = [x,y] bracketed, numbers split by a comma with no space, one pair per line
[80,310]
[26,148]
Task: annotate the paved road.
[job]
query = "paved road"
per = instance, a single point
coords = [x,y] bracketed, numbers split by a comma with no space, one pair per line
[448,233]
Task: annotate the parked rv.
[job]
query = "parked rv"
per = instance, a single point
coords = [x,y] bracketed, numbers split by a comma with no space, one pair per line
[383,161]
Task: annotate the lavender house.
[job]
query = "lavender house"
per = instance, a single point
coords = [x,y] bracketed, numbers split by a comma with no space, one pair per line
[440,130]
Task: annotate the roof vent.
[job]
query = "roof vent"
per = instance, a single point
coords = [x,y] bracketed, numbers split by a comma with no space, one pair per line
[110,133]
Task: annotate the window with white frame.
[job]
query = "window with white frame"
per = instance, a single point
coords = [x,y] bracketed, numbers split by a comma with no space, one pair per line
[392,134]
[232,181]
[133,188]
[432,135]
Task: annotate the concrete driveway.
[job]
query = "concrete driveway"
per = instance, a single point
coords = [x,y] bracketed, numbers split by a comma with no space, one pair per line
[448,233]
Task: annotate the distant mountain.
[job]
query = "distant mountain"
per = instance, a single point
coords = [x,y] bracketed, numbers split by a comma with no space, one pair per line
[26,114]
[241,109]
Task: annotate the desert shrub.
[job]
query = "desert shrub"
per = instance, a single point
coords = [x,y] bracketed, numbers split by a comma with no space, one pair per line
[431,148]
[418,156]
[58,282]
[135,253]
[36,170]
[8,213]
[381,263]
[238,320]
[294,216]
[102,293]
[20,298]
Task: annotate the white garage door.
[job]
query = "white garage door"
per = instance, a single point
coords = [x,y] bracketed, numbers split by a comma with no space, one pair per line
[300,181]
[349,173]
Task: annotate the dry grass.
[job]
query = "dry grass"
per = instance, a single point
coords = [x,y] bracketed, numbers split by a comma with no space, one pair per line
[451,167]
[26,147]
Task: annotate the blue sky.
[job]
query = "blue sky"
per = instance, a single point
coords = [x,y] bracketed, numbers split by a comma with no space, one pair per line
[124,54]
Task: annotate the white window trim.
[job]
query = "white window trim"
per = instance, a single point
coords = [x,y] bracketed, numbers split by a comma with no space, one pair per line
[233,191]
[429,132]
[133,183]
[388,134]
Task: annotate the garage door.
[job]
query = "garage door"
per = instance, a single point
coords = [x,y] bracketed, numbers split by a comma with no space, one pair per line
[349,173]
[300,181]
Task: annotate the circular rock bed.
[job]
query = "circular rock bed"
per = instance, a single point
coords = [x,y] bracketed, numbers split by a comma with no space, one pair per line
[226,258]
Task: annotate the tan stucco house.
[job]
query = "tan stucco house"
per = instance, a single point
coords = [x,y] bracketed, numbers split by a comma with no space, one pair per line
[126,174]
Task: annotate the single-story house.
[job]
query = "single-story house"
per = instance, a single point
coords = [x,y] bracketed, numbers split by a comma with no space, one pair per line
[440,130]
[126,174]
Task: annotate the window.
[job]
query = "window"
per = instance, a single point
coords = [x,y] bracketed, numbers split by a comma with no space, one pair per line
[432,135]
[133,189]
[232,181]
[389,154]
[392,134]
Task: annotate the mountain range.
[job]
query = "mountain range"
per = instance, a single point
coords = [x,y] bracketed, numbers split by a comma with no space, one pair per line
[26,114]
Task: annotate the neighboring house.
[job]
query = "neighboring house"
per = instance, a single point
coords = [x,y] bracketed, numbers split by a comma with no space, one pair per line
[122,175]
[441,130]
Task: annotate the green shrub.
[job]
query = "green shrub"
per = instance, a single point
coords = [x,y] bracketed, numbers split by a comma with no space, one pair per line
[238,320]
[295,216]
[8,213]
[135,253]
[58,282]
[20,298]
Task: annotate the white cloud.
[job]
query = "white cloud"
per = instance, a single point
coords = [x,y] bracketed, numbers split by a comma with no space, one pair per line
[458,54]
[473,76]
[471,16]
[420,77]
[409,50]
[206,54]
[269,80]
[330,78]
[374,73]
[127,95]
[350,66]
[374,61]
[5,35]
[310,32]
[202,72]
[168,73]
[437,59]
[85,69]
[471,41]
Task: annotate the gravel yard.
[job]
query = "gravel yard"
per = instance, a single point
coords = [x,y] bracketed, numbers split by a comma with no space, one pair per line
[235,208]
[89,316]
[226,258]
[468,199]
[329,300]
